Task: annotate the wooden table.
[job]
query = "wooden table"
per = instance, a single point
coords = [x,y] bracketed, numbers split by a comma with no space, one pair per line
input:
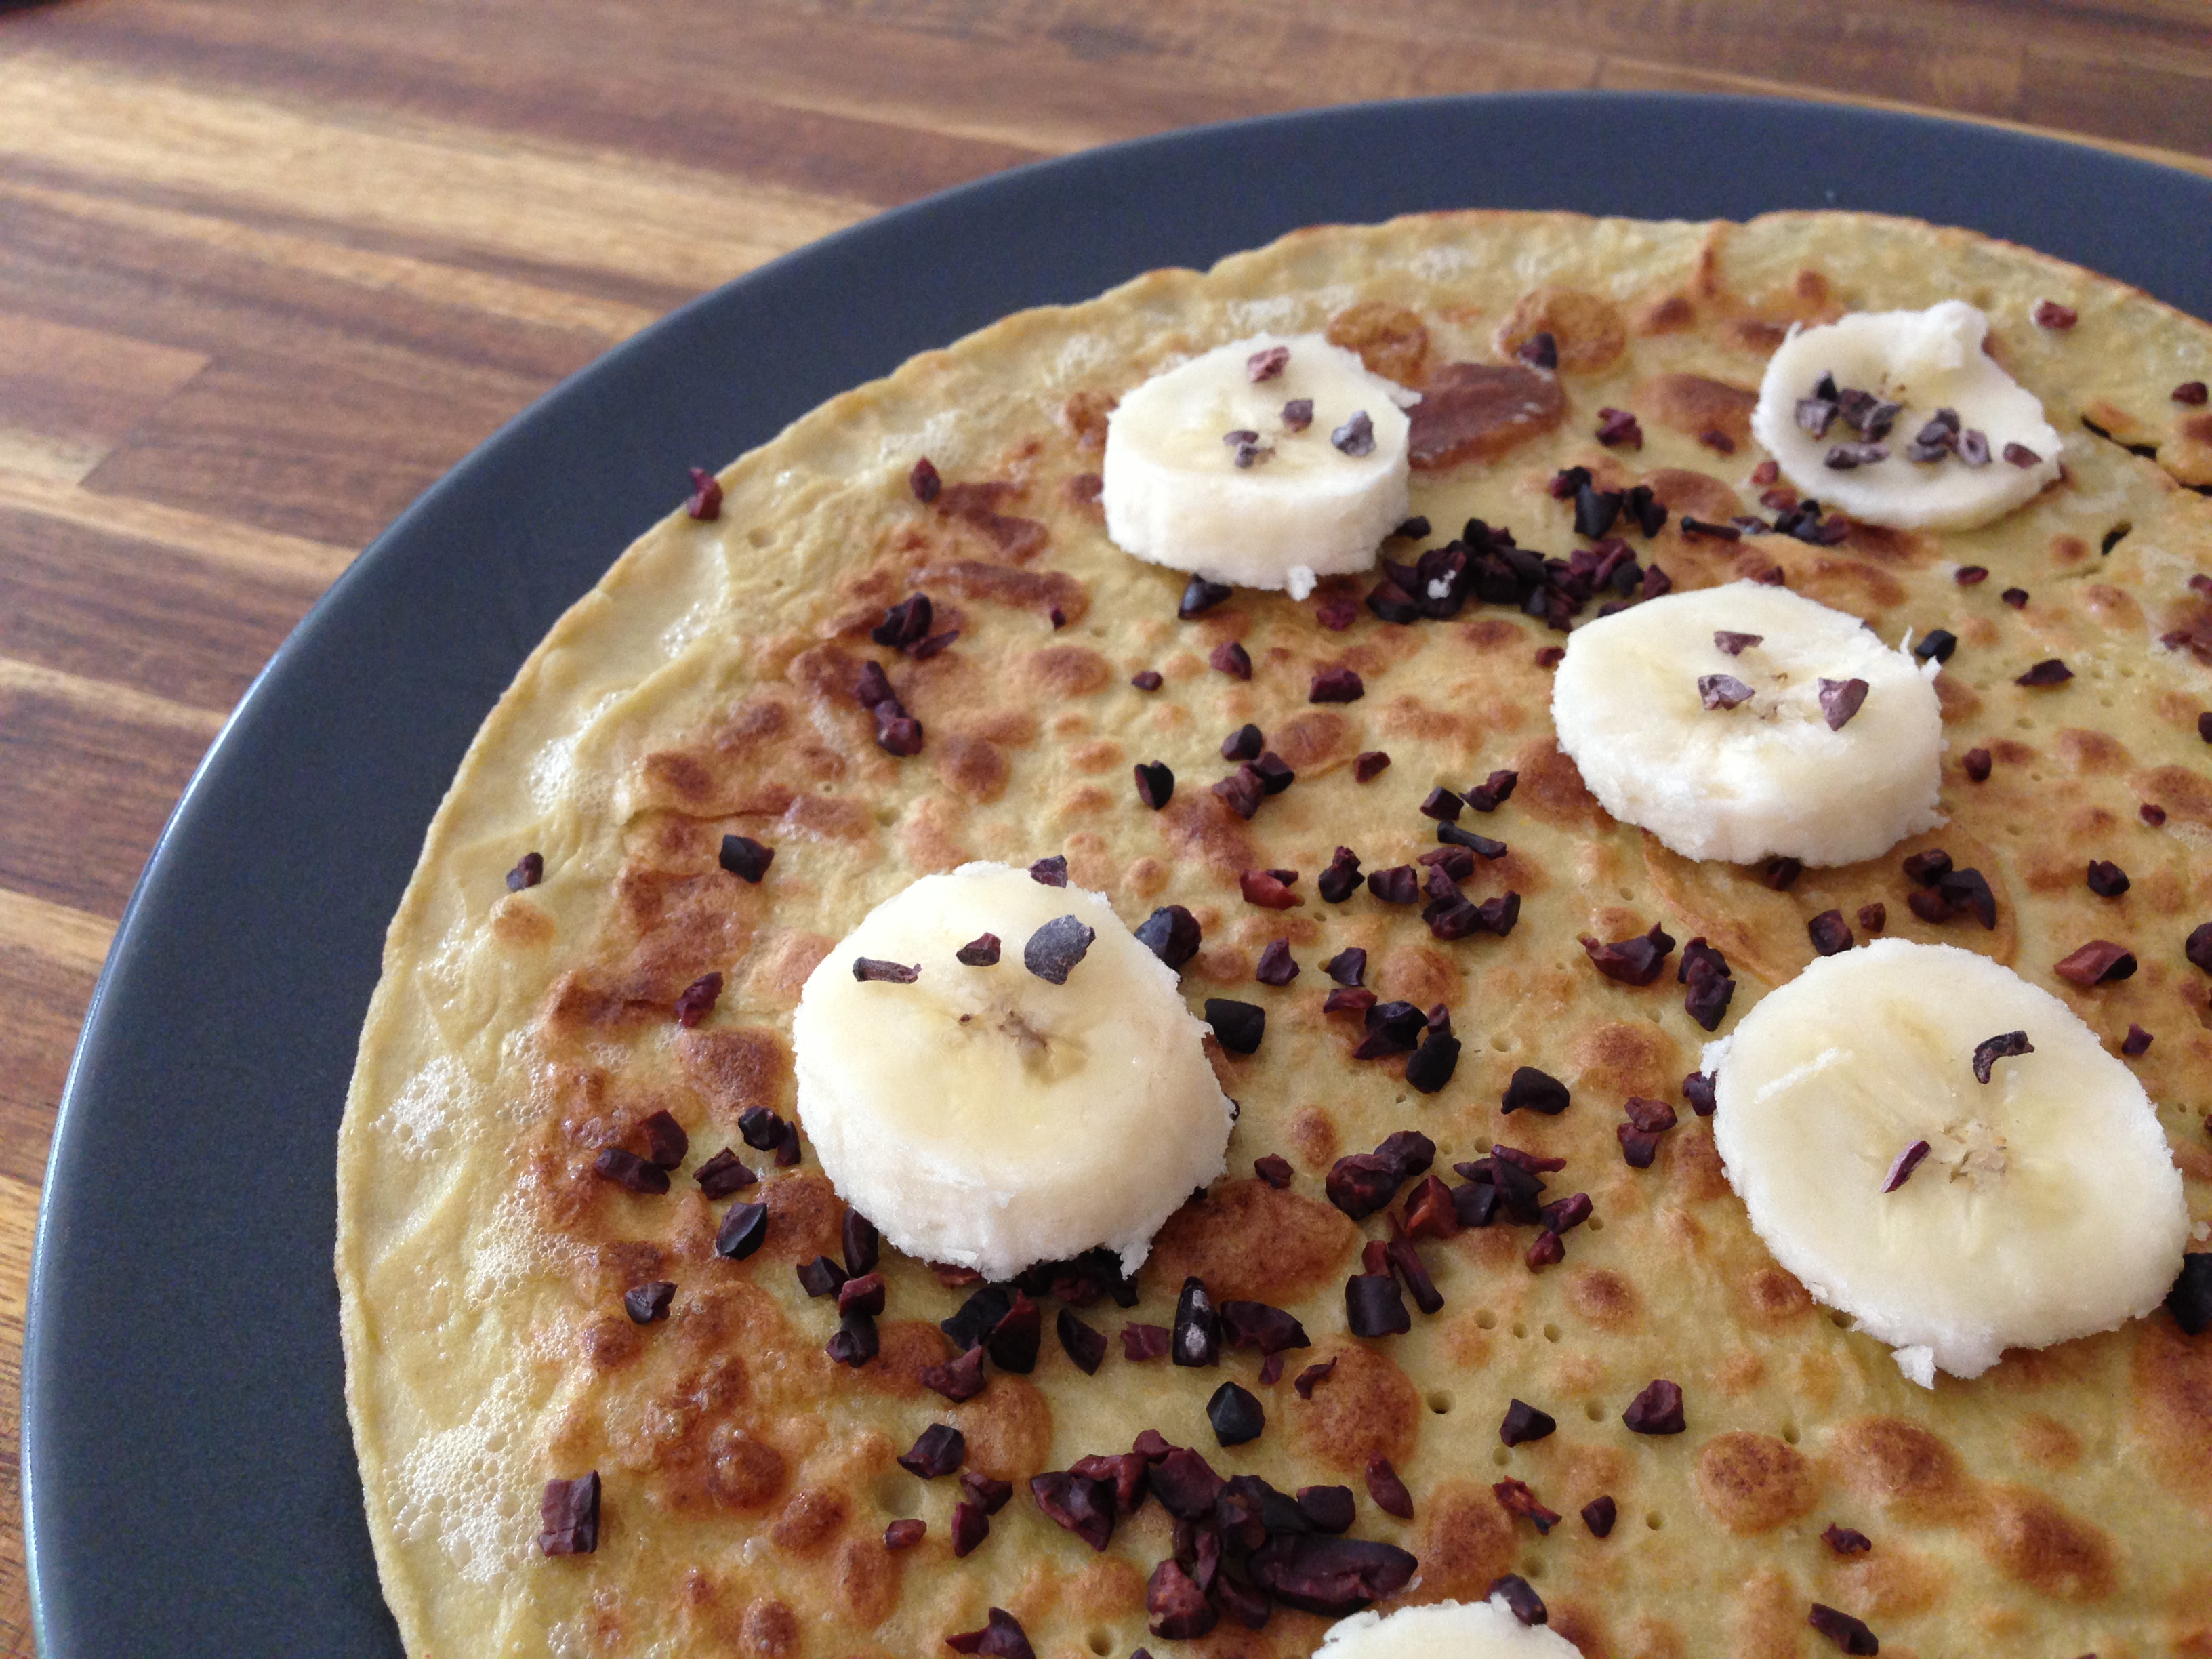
[267,269]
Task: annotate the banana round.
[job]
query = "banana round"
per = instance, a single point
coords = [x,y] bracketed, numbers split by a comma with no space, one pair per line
[2046,1207]
[1768,777]
[1926,360]
[1443,1630]
[988,1116]
[1303,505]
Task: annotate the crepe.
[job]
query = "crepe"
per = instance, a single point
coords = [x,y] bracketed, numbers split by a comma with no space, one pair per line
[2059,1504]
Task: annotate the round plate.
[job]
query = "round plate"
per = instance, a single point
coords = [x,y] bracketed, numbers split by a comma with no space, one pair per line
[189,1482]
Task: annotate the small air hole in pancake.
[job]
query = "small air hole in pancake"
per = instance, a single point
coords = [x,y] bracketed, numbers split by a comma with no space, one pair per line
[1440,1401]
[1597,1224]
[1551,1333]
[761,537]
[1486,1319]
[1790,1433]
[1101,1642]
[1840,1320]
[899,1496]
[1520,1329]
[1654,1520]
[2113,536]
[1595,1412]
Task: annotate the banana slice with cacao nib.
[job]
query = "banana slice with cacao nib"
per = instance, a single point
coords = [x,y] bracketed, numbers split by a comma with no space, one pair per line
[1947,1153]
[1513,1624]
[996,1072]
[1901,418]
[1266,463]
[1747,722]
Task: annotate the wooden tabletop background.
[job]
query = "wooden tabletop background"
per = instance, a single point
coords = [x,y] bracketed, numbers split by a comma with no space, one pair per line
[267,269]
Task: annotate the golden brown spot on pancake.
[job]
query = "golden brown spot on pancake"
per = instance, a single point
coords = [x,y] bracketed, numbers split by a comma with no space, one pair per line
[2086,750]
[2033,1541]
[609,1343]
[1198,825]
[833,817]
[1603,1298]
[1846,584]
[2044,1440]
[1367,1408]
[1008,1428]
[1392,341]
[1627,1057]
[1668,314]
[805,1218]
[904,1346]
[1648,1636]
[575,1006]
[1224,964]
[742,1473]
[1955,699]
[735,1068]
[1472,411]
[1880,541]
[1766,1617]
[827,672]
[2068,549]
[926,833]
[867,1578]
[1085,801]
[1891,1582]
[1694,1163]
[1084,416]
[770,1631]
[1581,1626]
[1772,1297]
[1738,1371]
[1694,405]
[1250,1242]
[2113,606]
[1490,633]
[1418,975]
[973,766]
[780,967]
[814,1515]
[1027,590]
[1698,494]
[1552,789]
[2181,791]
[1887,1461]
[1307,739]
[1466,1540]
[1012,728]
[1097,756]
[516,920]
[1751,1483]
[1069,671]
[2171,1383]
[2197,428]
[1147,878]
[1757,334]
[2009,752]
[1589,330]
[1462,1343]
[1409,717]
[1312,1135]
[622,1262]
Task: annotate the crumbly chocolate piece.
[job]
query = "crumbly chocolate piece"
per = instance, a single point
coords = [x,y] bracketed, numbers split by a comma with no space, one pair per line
[980,951]
[2190,1301]
[1155,784]
[1616,427]
[1276,966]
[1830,933]
[1336,685]
[705,503]
[1845,1631]
[1236,1414]
[1244,744]
[2137,1041]
[1840,700]
[1172,933]
[1056,949]
[722,1175]
[2049,672]
[1356,437]
[1230,658]
[1541,350]
[1599,1514]
[647,1302]
[1517,1497]
[626,1168]
[697,1000]
[1901,1167]
[1523,1422]
[1147,679]
[873,969]
[1721,692]
[529,870]
[2097,963]
[1002,1637]
[1990,1051]
[1373,1308]
[1200,596]
[1656,1410]
[938,1450]
[1387,1490]
[2107,879]
[1369,765]
[744,1229]
[568,1515]
[745,858]
[1937,645]
[1845,1541]
[1521,1598]
[1537,1092]
[904,1533]
[821,1277]
[1698,1090]
[1636,961]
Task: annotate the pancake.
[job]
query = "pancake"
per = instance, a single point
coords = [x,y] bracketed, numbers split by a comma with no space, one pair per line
[2060,1503]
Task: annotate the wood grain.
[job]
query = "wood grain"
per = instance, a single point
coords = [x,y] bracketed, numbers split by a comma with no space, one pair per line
[268,270]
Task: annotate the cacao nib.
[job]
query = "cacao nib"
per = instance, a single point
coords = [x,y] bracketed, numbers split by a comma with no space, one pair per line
[1387,1490]
[627,1168]
[2097,963]
[1937,646]
[940,1450]
[1537,1092]
[1329,1575]
[1336,685]
[1442,804]
[1599,1514]
[924,482]
[1372,1306]
[745,858]
[1050,872]
[1617,427]
[1274,1169]
[2022,456]
[1328,1508]
[971,1525]
[722,1175]
[1698,1090]
[1657,1410]
[896,733]
[1356,437]
[1594,511]
[1014,1342]
[1155,784]
[904,625]
[1242,791]
[1178,1609]
[1172,933]
[2107,879]
[1493,792]
[1901,1167]
[1055,948]
[1200,596]
[1564,1214]
[1521,1598]
[1141,1342]
[1406,1262]
[981,951]
[1258,1325]
[1000,1638]
[1430,1066]
[1147,679]
[568,1515]
[1337,615]
[1781,874]
[1431,1212]
[2190,1301]
[1415,529]
[1236,1414]
[1185,1484]
[1267,890]
[904,1534]
[1735,645]
[856,1341]
[1393,604]
[2197,947]
[978,1315]
[1636,961]
[1967,576]
[1840,700]
[1721,692]
[1311,1378]
[2151,815]
[1926,869]
[1873,917]
[1637,1149]
[1197,1340]
[695,1002]
[1990,1050]
[1275,775]
[1276,966]
[1349,1000]
[706,500]
[1127,1475]
[2137,1041]
[1845,1631]
[1268,364]
[873,969]
[1083,1507]
[1475,1205]
[1369,765]
[987,1495]
[1514,1497]
[1524,1422]
[1400,885]
[1968,890]
[2015,597]
[744,1228]
[957,1379]
[1481,845]
[1244,744]
[1232,659]
[1693,528]
[1347,966]
[529,870]
[1248,1607]
[821,1277]
[1845,1541]
[2049,672]
[647,1302]
[1541,350]
[2049,313]
[1816,415]
[1238,1026]
[1647,509]
[2191,392]
[1830,933]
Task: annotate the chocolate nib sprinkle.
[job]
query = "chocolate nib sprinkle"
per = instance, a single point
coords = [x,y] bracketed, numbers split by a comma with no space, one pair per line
[1873,917]
[722,1175]
[568,1515]
[1521,1597]
[1845,1631]
[2197,948]
[1273,1168]
[1338,883]
[1083,1344]
[666,1143]
[821,1277]
[1721,690]
[1537,1092]
[958,1379]
[1493,792]
[1337,685]
[1400,885]
[1698,1090]
[2049,313]
[1452,834]
[1906,1162]
[1000,1638]
[705,502]
[1155,784]
[1268,889]
[862,1295]
[1144,1341]
[1843,457]
[1235,1415]
[1276,967]
[1244,744]
[1967,574]
[1599,1514]
[1844,1541]
[1657,1410]
[1722,533]
[2151,814]
[1356,437]
[1636,961]
[1197,1338]
[1830,933]
[1990,1050]
[1596,511]
[1387,1490]
[1172,933]
[866,969]
[697,1000]
[2107,879]
[2095,964]
[2021,455]
[981,951]
[2190,1301]
[905,624]
[1514,1497]
[1178,1609]
[743,1229]
[1936,645]
[1327,1509]
[1415,529]
[1199,595]
[1974,447]
[1084,1507]
[941,1449]
[1274,773]
[2051,672]
[1442,804]
[1735,645]
[1050,872]
[529,870]
[1816,415]
[1840,700]
[905,1534]
[1431,1066]
[1182,1480]
[1147,679]
[1268,364]
[1969,890]
[1524,1422]
[1372,1306]
[2137,1041]
[1242,791]
[1231,659]
[644,1304]
[1617,427]
[1369,766]
[2015,597]
[744,857]
[924,482]
[1055,949]
[1298,413]
[971,1523]
[1782,874]
[1928,868]
[2192,393]
[1541,350]
[627,1168]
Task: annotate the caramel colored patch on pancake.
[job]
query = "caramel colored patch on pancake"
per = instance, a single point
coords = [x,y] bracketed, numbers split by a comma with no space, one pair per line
[1751,1483]
[608,1342]
[516,922]
[868,1578]
[805,1217]
[1693,1163]
[770,1631]
[1040,591]
[1589,329]
[1551,790]
[2113,606]
[928,835]
[2046,1441]
[1891,1583]
[1366,1408]
[1251,1242]
[1411,717]
[1605,1298]
[2170,1378]
[1312,1134]
[1670,314]
[1698,494]
[736,1068]
[1884,545]
[1008,1428]
[1772,1297]
[1464,1543]
[1695,405]
[1849,585]
[780,968]
[1392,341]
[1084,417]
[1069,671]
[1491,634]
[1420,975]
[2033,1541]
[2090,752]
[1766,1616]
[810,1520]
[904,1348]
[1307,740]
[1622,1058]
[2185,794]
[1899,1464]
[1198,825]
[1955,699]
[1579,1623]
[1477,411]
[973,767]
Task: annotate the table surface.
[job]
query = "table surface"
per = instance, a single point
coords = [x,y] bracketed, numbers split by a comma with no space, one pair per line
[268,270]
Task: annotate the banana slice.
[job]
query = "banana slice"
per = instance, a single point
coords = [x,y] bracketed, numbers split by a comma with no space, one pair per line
[1444,1630]
[1952,1218]
[1002,1112]
[1747,721]
[1264,464]
[1900,418]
